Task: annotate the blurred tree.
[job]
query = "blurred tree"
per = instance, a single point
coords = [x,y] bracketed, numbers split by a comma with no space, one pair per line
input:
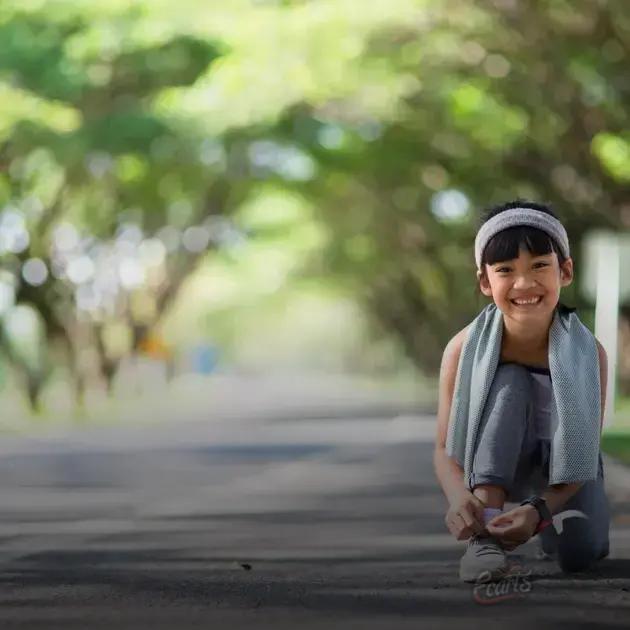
[500,100]
[128,140]
[107,205]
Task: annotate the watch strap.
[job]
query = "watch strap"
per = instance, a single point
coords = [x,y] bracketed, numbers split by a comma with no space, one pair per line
[540,504]
[542,524]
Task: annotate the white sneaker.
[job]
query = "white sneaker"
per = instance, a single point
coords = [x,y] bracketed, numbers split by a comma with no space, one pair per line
[484,560]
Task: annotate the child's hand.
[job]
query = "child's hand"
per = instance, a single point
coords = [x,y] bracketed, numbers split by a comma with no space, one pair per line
[515,527]
[465,515]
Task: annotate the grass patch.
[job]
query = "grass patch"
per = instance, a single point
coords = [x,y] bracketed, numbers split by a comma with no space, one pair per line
[616,439]
[616,443]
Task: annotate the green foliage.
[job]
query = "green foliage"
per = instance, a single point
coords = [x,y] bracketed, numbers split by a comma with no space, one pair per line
[616,443]
[500,101]
[366,137]
[614,154]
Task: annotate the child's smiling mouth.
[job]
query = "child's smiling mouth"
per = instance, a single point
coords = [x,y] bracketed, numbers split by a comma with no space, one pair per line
[526,302]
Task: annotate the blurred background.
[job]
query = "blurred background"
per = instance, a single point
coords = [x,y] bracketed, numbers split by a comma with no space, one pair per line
[203,199]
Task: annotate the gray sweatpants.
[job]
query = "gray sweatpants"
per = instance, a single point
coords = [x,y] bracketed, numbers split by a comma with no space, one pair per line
[509,454]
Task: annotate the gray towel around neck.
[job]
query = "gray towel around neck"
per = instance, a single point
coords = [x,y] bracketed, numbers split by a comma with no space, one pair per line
[574,367]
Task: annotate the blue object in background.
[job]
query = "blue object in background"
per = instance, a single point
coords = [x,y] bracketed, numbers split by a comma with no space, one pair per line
[205,358]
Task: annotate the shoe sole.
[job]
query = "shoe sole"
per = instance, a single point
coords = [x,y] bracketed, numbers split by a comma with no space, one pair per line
[488,576]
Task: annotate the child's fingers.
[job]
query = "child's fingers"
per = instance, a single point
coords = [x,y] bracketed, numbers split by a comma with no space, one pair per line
[471,521]
[500,521]
[498,528]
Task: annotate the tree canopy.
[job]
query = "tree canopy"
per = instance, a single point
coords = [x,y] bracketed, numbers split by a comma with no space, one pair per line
[134,134]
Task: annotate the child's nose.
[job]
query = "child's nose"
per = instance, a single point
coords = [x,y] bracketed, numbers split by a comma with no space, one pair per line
[523,281]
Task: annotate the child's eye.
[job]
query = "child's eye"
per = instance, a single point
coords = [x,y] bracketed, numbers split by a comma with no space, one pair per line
[542,264]
[502,269]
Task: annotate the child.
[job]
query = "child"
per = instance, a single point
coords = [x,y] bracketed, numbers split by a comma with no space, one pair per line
[510,385]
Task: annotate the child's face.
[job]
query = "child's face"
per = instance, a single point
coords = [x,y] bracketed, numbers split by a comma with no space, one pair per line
[527,277]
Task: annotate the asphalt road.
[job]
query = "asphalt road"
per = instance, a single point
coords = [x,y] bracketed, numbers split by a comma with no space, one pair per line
[287,523]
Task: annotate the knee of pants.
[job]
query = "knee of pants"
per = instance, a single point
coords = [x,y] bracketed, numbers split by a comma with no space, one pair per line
[511,389]
[510,393]
[578,548]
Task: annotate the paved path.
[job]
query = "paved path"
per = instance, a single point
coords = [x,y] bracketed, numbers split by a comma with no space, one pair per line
[261,523]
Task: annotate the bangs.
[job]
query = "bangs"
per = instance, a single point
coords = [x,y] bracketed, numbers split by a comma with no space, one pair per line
[506,244]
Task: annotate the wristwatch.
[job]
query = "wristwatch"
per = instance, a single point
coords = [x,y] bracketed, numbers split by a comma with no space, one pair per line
[541,506]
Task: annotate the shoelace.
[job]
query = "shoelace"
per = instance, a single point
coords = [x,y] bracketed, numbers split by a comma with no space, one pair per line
[489,552]
[490,546]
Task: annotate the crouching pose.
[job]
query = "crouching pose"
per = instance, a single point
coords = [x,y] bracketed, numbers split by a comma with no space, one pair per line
[522,392]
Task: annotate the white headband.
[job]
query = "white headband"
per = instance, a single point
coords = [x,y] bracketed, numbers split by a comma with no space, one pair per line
[521,216]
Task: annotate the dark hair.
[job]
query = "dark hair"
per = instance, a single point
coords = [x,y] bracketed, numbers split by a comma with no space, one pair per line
[506,244]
